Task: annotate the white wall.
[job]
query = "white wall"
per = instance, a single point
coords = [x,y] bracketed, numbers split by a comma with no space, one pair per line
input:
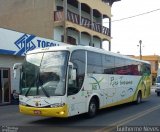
[97,42]
[85,39]
[58,32]
[7,61]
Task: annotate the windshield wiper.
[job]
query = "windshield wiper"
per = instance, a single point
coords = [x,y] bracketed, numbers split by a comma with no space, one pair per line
[26,94]
[38,85]
[45,92]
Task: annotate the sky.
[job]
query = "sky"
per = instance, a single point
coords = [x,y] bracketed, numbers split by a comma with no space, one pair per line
[127,33]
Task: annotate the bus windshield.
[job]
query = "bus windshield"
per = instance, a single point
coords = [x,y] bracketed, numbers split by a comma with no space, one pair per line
[44,74]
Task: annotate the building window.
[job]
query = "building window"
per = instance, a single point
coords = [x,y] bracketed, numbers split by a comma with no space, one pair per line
[59,8]
[70,40]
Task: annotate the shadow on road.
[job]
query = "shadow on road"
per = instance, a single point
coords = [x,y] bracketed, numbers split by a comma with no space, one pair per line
[77,120]
[60,121]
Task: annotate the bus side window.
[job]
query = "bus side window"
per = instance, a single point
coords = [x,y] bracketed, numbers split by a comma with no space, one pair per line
[94,63]
[145,69]
[108,64]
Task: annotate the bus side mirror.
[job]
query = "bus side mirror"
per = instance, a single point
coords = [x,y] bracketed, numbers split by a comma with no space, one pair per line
[72,72]
[16,66]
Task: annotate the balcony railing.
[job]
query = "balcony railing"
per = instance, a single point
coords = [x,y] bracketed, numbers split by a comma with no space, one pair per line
[58,16]
[73,17]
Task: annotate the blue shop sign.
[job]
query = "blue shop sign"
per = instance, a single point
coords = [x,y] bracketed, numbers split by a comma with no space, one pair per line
[16,43]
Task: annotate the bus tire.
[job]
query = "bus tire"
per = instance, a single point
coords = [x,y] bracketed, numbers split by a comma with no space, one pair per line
[158,93]
[139,98]
[92,108]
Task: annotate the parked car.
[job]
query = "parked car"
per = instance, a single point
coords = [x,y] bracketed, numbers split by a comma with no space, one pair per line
[157,90]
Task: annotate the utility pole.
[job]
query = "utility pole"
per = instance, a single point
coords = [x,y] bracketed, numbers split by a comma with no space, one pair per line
[140,49]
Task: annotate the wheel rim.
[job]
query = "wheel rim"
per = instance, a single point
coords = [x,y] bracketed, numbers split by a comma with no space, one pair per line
[93,108]
[139,99]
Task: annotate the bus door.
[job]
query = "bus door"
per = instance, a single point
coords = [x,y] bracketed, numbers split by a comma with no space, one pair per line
[76,100]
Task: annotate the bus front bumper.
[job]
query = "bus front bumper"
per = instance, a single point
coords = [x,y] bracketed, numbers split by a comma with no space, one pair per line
[49,112]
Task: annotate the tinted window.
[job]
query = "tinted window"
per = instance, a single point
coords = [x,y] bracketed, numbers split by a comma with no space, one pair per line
[120,66]
[108,64]
[94,64]
[5,73]
[127,67]
[132,67]
[145,69]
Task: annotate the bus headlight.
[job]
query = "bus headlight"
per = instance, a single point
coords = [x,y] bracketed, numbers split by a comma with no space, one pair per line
[61,113]
[57,105]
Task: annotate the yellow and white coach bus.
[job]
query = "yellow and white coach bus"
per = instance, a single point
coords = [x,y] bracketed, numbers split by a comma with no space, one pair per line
[64,81]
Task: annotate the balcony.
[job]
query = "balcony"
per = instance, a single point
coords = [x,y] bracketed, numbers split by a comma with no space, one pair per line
[72,17]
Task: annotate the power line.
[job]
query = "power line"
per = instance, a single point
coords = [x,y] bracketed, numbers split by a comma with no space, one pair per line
[125,18]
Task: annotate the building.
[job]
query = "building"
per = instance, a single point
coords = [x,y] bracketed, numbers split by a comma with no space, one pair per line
[72,21]
[155,64]
[77,22]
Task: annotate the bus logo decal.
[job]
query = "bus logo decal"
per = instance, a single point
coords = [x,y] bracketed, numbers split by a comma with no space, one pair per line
[25,44]
[96,83]
[123,93]
[130,90]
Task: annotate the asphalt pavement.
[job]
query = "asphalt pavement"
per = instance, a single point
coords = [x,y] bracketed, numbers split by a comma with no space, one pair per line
[144,114]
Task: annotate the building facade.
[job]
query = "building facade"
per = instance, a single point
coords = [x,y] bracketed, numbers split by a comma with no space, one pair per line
[77,22]
[80,22]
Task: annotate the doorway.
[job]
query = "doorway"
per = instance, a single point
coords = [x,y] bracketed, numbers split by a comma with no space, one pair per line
[4,85]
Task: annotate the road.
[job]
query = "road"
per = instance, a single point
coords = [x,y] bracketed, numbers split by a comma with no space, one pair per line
[109,119]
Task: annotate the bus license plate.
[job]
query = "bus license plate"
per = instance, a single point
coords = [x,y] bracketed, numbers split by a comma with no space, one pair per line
[37,112]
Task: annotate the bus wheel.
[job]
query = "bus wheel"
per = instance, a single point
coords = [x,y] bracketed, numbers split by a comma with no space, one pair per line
[92,110]
[139,98]
[158,93]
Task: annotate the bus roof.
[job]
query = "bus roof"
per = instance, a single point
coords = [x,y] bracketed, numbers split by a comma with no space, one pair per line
[87,48]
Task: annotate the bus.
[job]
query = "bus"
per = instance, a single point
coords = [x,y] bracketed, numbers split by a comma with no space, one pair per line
[64,81]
